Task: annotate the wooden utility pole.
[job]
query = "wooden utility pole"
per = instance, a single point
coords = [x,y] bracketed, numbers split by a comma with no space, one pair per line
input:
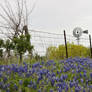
[65,44]
[90,46]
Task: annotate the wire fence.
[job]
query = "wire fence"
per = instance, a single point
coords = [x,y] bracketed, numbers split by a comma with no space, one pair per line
[42,40]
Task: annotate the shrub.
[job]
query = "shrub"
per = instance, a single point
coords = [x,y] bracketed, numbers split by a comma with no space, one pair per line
[73,51]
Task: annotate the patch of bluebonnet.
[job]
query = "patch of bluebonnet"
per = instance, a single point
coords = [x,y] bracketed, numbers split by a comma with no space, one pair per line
[73,74]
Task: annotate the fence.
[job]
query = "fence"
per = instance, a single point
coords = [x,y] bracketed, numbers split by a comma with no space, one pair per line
[42,40]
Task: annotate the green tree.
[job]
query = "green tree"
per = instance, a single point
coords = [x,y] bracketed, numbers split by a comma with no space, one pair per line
[8,45]
[22,45]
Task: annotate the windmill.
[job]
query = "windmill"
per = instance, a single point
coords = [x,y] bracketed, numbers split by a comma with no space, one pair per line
[77,32]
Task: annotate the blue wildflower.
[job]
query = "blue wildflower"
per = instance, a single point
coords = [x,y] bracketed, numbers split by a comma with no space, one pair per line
[20,82]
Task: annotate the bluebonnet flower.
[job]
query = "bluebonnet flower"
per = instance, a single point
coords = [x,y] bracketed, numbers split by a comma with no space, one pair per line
[16,87]
[90,86]
[82,80]
[24,63]
[59,85]
[20,82]
[84,90]
[20,69]
[34,86]
[39,90]
[25,69]
[57,79]
[52,82]
[73,71]
[59,90]
[40,77]
[42,62]
[49,74]
[7,90]
[5,79]
[53,74]
[71,84]
[65,76]
[29,86]
[84,74]
[33,71]
[77,89]
[80,75]
[91,75]
[36,65]
[51,90]
[61,78]
[0,74]
[66,89]
[28,75]
[7,85]
[40,66]
[58,72]
[87,82]
[1,84]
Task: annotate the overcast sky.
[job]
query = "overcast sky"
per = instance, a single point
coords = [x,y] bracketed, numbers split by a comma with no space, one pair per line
[57,15]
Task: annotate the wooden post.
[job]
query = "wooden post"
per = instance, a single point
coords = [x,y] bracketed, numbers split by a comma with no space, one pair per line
[65,44]
[90,46]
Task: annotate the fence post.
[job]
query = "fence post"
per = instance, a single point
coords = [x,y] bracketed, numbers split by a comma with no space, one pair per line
[65,44]
[90,46]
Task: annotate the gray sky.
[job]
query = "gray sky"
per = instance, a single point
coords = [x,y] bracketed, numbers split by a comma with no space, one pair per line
[57,15]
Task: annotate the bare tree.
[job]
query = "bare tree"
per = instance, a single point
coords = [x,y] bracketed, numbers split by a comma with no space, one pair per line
[15,19]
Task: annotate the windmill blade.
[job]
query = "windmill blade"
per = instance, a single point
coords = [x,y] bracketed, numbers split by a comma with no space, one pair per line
[86,31]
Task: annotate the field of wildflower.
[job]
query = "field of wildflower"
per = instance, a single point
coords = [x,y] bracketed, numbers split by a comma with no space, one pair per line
[69,75]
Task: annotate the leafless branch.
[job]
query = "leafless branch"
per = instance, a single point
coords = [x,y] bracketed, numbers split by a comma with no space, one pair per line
[15,21]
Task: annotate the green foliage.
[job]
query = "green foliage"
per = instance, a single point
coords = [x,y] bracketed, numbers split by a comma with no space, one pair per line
[22,44]
[8,45]
[1,43]
[37,57]
[1,53]
[19,45]
[51,52]
[73,51]
[78,50]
